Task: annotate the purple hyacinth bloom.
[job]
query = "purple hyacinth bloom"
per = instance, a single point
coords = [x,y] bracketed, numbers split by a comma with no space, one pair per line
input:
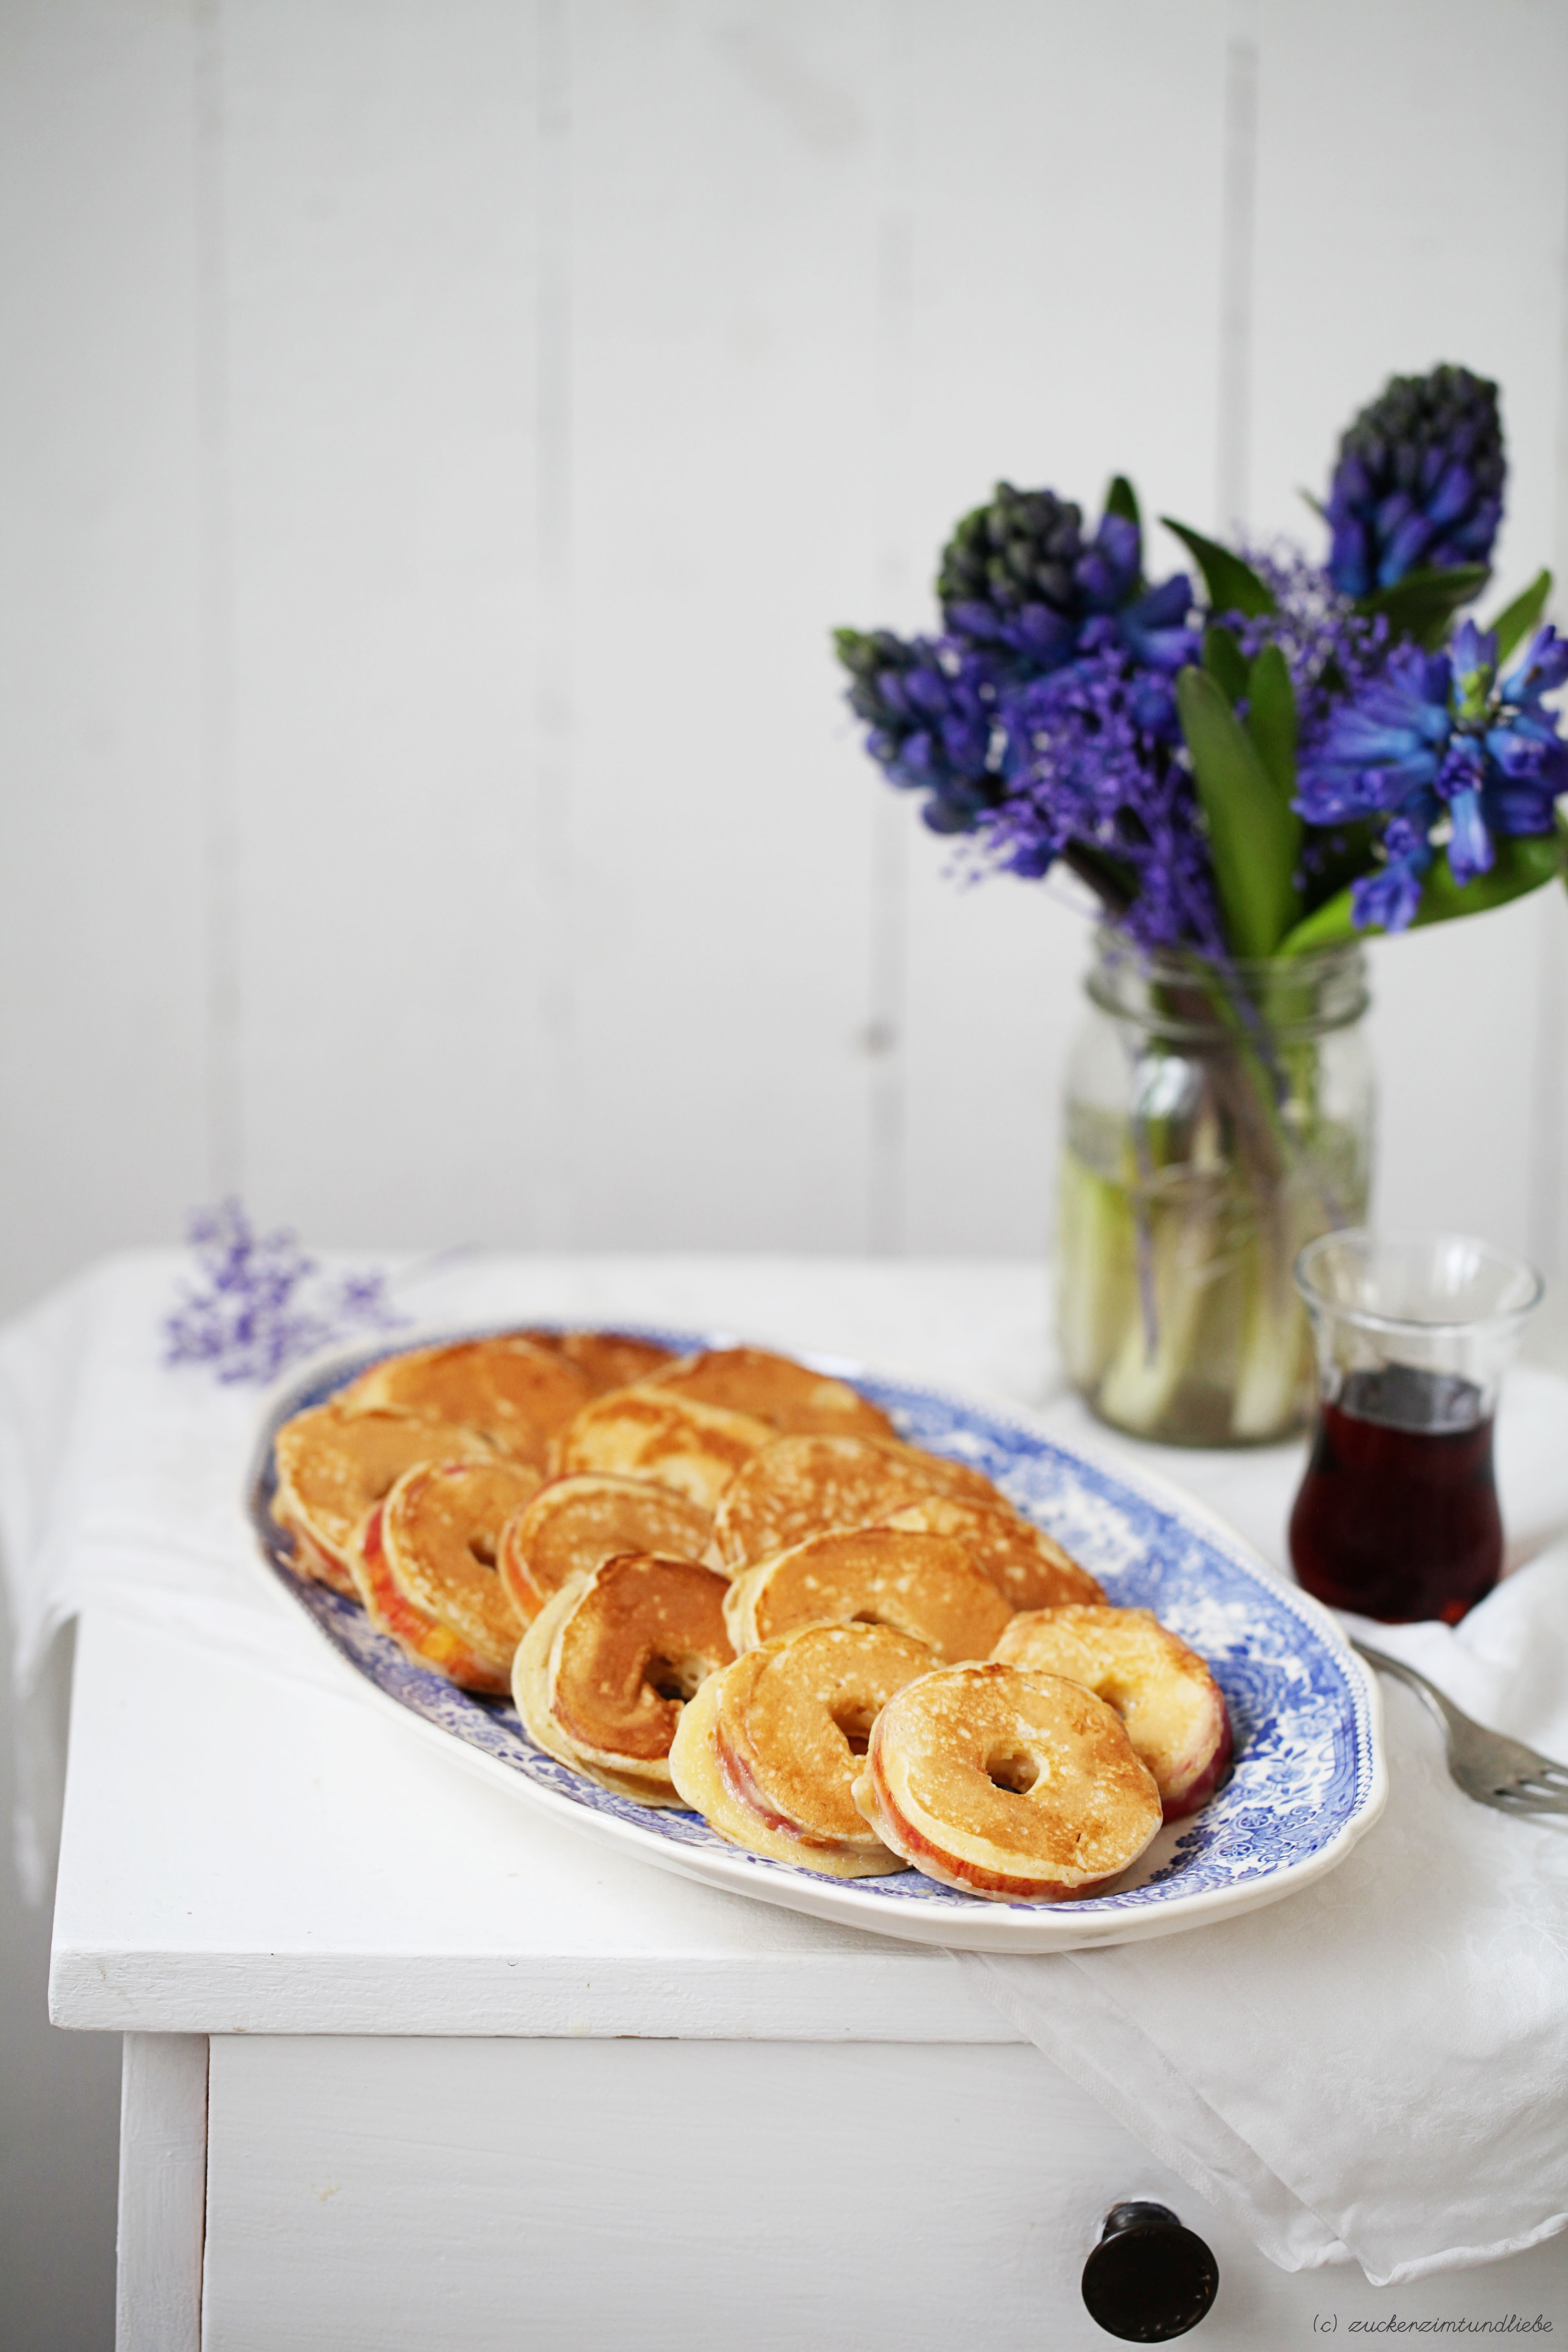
[1092,763]
[1018,577]
[1419,480]
[1330,650]
[930,708]
[1440,743]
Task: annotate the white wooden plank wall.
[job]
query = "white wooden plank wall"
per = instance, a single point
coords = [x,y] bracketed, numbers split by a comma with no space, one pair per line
[436,437]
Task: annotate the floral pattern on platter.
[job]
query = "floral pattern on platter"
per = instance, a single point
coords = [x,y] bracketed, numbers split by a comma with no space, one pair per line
[1304,1764]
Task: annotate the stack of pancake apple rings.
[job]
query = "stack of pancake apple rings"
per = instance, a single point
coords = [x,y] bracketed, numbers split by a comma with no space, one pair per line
[722,1581]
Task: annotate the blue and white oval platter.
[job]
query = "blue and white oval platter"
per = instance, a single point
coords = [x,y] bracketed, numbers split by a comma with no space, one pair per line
[1307,1778]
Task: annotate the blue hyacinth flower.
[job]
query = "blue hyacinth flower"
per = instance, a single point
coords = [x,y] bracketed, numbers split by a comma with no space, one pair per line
[1455,756]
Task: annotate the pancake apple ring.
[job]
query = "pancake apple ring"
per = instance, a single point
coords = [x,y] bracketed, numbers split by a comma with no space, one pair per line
[607,1359]
[806,1486]
[517,1394]
[1173,1708]
[602,1674]
[768,1750]
[440,1530]
[1019,1787]
[926,1586]
[333,1466]
[414,1629]
[1028,1568]
[643,1431]
[778,1390]
[575,1523]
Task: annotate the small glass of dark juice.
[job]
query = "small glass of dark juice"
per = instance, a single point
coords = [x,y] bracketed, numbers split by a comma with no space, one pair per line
[1397,1517]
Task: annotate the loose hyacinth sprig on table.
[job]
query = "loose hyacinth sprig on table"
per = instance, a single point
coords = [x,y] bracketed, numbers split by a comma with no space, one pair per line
[1251,765]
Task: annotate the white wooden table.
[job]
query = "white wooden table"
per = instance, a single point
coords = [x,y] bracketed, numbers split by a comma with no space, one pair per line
[407,2066]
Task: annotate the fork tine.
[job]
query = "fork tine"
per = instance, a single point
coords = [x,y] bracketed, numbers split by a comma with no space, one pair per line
[1517,1798]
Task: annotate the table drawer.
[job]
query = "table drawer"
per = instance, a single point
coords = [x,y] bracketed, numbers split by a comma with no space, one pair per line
[628,2196]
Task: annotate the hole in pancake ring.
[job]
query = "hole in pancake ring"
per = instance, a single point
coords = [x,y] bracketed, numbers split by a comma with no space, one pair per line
[1013,1769]
[675,1678]
[854,1718]
[632,1648]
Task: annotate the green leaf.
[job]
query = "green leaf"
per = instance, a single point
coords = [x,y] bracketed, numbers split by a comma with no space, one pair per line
[1122,499]
[1272,718]
[1315,502]
[1521,865]
[1225,661]
[1233,586]
[1423,604]
[1254,837]
[1522,618]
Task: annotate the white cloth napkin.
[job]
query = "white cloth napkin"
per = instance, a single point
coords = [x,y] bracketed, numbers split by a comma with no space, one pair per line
[1375,2069]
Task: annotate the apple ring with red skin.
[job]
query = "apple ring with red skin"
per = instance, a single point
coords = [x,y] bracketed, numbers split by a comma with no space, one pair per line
[1173,1708]
[768,1750]
[424,1637]
[333,1466]
[440,1532]
[575,1523]
[1017,1787]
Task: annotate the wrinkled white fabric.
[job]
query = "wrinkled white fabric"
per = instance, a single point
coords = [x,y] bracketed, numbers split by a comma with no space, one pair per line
[1377,2068]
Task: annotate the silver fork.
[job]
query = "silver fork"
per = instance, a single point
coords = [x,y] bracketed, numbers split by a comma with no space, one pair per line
[1488,1766]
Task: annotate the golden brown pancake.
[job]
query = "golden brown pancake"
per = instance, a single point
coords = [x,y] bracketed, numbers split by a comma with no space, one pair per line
[1028,1568]
[694,1766]
[573,1524]
[440,1528]
[803,1486]
[926,1586]
[333,1465]
[769,1760]
[1173,1707]
[607,1359]
[776,1390]
[424,1637]
[517,1394]
[1019,1787]
[531,1692]
[629,1645]
[643,1431]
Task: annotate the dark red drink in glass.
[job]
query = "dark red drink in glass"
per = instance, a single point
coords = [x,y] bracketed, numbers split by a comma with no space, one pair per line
[1397,1518]
[1397,1515]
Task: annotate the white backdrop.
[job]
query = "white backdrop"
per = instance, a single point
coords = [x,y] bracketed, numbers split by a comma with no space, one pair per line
[435,438]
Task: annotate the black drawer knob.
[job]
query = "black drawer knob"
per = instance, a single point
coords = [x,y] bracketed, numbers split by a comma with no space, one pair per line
[1148,2279]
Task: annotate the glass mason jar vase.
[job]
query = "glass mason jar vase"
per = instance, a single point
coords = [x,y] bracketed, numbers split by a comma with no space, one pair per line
[1218,1117]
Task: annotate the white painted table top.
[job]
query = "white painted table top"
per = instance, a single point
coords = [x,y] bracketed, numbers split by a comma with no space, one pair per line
[243,1853]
